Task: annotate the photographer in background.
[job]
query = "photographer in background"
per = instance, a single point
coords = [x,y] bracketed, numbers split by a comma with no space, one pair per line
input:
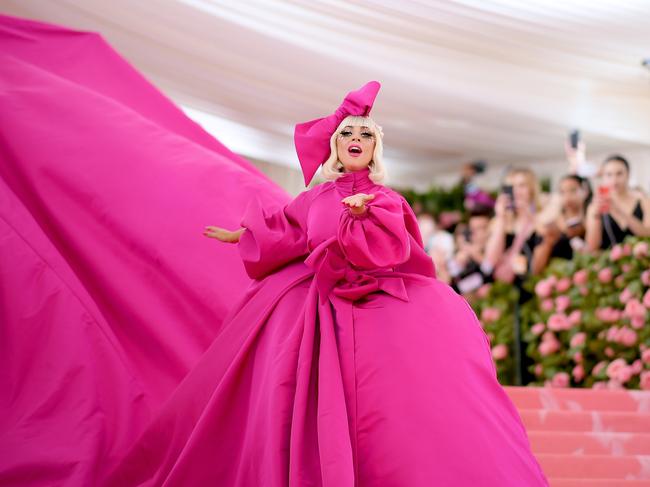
[465,267]
[563,230]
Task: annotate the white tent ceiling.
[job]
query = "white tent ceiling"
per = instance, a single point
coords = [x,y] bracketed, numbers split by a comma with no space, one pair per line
[502,80]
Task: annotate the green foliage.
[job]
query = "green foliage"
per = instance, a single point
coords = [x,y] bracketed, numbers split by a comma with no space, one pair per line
[603,298]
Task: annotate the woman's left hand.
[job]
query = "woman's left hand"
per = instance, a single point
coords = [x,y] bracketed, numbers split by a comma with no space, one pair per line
[357,202]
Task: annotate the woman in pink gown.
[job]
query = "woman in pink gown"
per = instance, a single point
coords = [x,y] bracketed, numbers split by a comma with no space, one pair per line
[346,363]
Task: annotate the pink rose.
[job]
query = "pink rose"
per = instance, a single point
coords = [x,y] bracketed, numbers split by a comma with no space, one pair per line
[539,370]
[547,347]
[598,368]
[626,268]
[645,356]
[609,352]
[637,322]
[641,250]
[562,303]
[612,334]
[575,317]
[637,367]
[563,285]
[581,277]
[561,379]
[608,314]
[577,357]
[635,308]
[619,281]
[499,352]
[584,291]
[558,321]
[489,315]
[646,299]
[605,275]
[627,336]
[483,291]
[645,277]
[619,371]
[547,305]
[613,384]
[578,373]
[537,329]
[644,380]
[578,339]
[544,288]
[626,295]
[616,253]
[627,249]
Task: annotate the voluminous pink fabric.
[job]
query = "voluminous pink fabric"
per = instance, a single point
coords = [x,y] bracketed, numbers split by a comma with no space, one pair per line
[109,292]
[134,351]
[347,363]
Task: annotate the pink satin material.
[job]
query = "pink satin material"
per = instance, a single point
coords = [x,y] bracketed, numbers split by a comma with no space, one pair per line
[109,292]
[335,372]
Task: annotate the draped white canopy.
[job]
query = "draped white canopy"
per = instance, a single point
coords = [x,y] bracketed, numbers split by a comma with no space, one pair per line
[502,80]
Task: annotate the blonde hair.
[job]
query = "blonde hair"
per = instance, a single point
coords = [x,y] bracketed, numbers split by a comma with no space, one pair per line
[531,181]
[332,167]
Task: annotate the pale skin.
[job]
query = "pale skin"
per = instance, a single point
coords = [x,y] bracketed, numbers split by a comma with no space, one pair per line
[509,215]
[572,196]
[354,148]
[619,203]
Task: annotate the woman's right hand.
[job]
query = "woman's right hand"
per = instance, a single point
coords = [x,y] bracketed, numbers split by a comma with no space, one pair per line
[222,234]
[599,205]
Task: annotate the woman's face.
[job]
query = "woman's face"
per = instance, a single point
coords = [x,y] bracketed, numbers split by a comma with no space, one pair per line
[572,194]
[615,176]
[354,147]
[521,191]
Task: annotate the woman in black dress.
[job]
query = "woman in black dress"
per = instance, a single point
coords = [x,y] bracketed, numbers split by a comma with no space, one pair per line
[616,211]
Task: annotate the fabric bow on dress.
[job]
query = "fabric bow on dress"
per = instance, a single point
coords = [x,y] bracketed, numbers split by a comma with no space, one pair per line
[335,275]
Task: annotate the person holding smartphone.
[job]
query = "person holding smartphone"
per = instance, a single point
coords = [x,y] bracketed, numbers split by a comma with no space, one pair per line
[616,210]
[564,232]
[509,251]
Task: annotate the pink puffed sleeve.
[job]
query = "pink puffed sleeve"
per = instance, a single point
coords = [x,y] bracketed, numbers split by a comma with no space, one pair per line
[378,237]
[272,239]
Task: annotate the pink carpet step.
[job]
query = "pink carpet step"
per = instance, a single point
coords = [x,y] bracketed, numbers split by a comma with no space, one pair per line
[633,467]
[579,399]
[598,483]
[589,443]
[596,421]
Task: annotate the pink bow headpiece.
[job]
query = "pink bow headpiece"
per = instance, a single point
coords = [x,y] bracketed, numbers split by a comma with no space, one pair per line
[312,138]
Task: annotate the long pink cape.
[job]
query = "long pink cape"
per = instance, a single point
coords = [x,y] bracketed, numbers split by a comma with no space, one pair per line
[109,292]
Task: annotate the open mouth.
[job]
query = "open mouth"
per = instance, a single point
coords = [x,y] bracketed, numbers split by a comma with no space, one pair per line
[355,150]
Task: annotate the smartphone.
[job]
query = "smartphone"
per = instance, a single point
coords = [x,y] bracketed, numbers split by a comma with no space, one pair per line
[574,138]
[603,192]
[467,233]
[508,190]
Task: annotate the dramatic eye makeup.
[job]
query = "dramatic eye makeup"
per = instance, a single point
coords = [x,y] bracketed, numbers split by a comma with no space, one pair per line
[366,133]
